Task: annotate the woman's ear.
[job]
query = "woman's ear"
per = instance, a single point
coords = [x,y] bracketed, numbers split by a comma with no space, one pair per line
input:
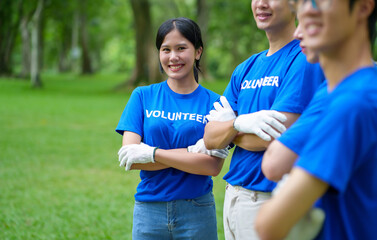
[199,52]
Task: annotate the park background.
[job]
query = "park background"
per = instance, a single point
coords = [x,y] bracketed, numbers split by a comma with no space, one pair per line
[67,69]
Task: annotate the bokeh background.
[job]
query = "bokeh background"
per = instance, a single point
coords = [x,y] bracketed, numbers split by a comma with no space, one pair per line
[67,69]
[118,36]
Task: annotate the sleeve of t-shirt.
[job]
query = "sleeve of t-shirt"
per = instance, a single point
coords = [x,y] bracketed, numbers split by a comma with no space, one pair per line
[294,138]
[232,91]
[133,115]
[298,86]
[336,141]
[297,135]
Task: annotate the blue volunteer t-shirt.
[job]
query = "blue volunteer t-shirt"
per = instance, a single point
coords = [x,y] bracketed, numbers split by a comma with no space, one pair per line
[298,134]
[168,120]
[342,151]
[284,82]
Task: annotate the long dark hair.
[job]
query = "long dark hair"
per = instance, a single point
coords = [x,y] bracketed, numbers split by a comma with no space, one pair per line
[189,29]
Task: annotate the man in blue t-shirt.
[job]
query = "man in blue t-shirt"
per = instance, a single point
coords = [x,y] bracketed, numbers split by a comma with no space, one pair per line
[277,79]
[282,153]
[337,165]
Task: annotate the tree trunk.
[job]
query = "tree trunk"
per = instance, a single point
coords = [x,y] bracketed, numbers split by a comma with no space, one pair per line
[8,31]
[35,46]
[41,40]
[142,18]
[86,64]
[146,69]
[203,12]
[25,36]
[64,63]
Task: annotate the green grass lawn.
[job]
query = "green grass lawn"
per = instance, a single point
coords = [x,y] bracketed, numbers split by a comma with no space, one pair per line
[59,174]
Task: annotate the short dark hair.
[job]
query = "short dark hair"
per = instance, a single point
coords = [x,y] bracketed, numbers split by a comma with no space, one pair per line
[372,24]
[189,29]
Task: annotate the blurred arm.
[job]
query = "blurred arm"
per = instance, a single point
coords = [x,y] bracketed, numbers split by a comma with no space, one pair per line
[278,215]
[277,161]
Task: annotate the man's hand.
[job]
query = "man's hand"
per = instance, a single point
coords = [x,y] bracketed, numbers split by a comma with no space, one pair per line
[222,113]
[136,153]
[262,123]
[199,147]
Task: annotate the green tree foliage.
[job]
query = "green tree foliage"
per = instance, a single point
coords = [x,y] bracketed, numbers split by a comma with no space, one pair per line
[231,33]
[10,18]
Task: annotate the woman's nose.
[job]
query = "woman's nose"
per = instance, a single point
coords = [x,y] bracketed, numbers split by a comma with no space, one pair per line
[174,56]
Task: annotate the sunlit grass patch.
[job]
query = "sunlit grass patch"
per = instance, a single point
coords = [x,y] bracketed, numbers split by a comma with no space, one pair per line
[59,174]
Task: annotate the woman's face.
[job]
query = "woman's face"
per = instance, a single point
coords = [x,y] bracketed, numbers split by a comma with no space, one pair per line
[178,55]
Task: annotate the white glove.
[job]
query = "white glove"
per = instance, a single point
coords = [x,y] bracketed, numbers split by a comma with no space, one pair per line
[136,153]
[261,123]
[200,147]
[310,225]
[222,113]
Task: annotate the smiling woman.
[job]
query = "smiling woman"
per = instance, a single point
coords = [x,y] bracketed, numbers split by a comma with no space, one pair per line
[177,56]
[162,127]
[180,51]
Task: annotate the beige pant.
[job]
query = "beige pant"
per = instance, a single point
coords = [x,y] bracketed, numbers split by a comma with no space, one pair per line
[240,210]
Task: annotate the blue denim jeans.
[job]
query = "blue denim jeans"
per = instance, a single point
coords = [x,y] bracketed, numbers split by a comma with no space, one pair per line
[180,219]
